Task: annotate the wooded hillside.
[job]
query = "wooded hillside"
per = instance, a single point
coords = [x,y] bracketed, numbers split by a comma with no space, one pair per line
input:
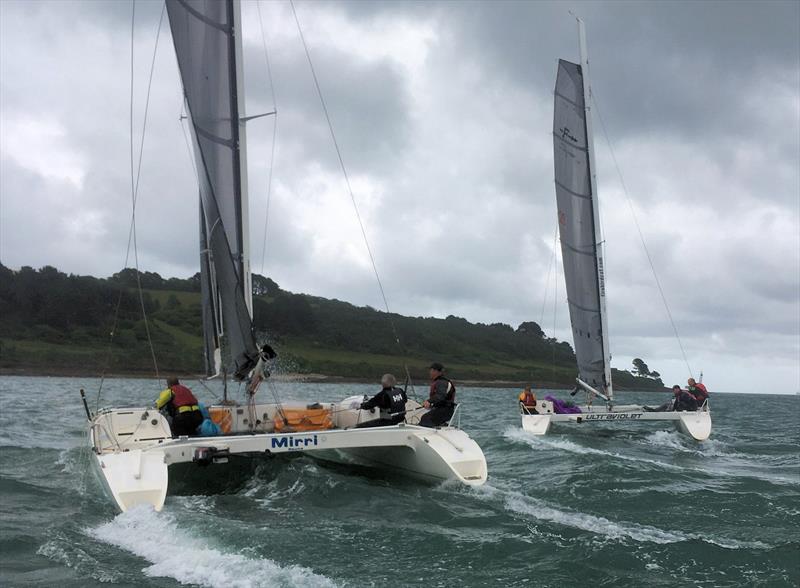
[60,323]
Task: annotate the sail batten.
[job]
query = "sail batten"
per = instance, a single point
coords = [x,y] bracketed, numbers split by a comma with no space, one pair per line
[577,219]
[203,33]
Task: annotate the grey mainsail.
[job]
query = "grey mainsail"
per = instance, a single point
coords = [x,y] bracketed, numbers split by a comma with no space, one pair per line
[204,34]
[209,303]
[577,220]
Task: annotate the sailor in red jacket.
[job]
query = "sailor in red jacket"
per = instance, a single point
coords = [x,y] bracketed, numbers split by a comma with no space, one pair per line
[698,390]
[182,406]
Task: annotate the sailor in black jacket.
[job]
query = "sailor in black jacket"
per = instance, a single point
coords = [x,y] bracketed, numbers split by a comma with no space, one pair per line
[391,401]
[442,399]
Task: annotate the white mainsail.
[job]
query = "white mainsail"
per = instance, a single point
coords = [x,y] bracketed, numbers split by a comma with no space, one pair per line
[579,226]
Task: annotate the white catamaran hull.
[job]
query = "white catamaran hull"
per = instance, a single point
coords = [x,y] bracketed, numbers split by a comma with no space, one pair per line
[695,424]
[133,449]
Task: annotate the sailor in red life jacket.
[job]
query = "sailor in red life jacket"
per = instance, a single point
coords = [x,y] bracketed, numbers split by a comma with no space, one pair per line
[182,406]
[441,400]
[698,390]
[527,401]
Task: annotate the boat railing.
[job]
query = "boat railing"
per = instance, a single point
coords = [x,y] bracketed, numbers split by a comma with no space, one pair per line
[456,417]
[97,430]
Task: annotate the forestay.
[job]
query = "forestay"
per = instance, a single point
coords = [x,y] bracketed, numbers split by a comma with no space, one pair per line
[204,33]
[583,264]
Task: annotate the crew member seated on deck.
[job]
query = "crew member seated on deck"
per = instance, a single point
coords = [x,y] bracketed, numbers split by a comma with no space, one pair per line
[681,401]
[391,401]
[527,401]
[441,400]
[698,390]
[182,406]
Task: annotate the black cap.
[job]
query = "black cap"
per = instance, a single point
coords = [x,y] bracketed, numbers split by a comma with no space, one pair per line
[437,366]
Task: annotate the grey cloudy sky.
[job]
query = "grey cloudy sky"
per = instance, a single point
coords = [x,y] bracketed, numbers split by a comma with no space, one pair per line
[443,112]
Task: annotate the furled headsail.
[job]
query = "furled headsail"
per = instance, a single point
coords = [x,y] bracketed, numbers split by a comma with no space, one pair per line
[205,36]
[578,221]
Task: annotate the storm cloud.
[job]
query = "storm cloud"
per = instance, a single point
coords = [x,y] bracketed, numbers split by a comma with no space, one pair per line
[443,112]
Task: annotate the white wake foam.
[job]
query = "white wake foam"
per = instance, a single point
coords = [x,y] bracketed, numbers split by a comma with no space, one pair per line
[668,439]
[591,523]
[675,440]
[536,441]
[175,553]
[519,503]
[62,550]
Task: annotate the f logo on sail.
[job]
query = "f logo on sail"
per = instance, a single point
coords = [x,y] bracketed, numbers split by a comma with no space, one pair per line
[565,134]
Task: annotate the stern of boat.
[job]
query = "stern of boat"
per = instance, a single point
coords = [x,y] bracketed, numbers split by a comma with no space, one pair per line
[537,423]
[449,453]
[696,425]
[128,467]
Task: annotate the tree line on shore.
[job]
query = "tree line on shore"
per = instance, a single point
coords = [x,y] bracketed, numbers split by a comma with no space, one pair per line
[58,322]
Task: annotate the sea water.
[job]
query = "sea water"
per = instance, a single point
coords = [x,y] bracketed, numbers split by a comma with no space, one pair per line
[607,505]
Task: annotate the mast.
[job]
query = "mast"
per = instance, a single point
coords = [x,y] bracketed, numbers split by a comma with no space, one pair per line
[237,85]
[208,46]
[598,241]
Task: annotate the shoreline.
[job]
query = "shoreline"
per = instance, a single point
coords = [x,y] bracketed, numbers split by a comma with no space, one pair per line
[295,377]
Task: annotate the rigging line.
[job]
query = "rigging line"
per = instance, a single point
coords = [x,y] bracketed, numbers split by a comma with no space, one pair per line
[186,141]
[279,407]
[269,191]
[555,303]
[350,190]
[135,183]
[136,174]
[641,235]
[134,189]
[549,271]
[274,134]
[208,388]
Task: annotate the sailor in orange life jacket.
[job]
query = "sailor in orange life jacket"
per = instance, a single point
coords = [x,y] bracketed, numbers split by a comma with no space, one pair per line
[441,400]
[182,406]
[698,390]
[527,401]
